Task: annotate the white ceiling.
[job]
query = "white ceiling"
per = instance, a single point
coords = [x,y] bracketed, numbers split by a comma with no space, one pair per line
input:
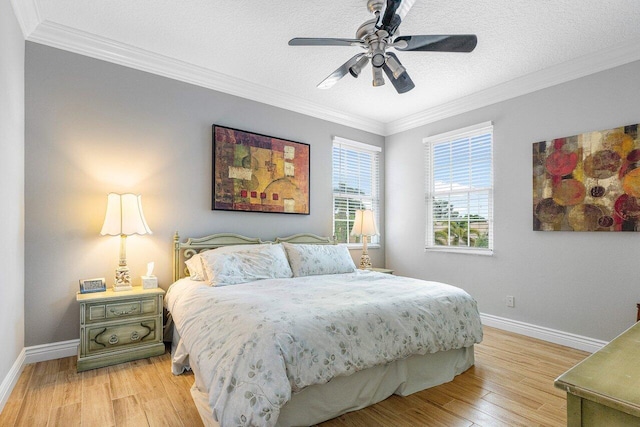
[240,47]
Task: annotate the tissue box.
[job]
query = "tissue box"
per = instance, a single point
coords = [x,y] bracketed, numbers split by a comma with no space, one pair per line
[149,282]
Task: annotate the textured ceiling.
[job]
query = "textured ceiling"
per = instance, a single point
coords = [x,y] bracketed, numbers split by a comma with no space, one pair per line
[247,40]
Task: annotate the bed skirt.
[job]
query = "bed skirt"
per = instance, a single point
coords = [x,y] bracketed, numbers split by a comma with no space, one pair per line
[322,402]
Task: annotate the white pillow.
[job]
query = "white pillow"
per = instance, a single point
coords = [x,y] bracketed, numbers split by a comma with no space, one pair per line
[256,262]
[195,264]
[309,260]
[196,269]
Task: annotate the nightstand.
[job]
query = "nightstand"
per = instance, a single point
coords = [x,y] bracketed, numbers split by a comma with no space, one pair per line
[381,270]
[117,327]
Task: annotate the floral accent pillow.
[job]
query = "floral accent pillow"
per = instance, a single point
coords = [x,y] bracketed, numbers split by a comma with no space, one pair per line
[255,263]
[310,260]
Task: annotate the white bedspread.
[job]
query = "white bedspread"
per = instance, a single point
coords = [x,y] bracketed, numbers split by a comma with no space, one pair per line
[256,343]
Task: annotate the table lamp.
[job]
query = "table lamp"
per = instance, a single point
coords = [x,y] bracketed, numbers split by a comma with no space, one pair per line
[364,225]
[124,217]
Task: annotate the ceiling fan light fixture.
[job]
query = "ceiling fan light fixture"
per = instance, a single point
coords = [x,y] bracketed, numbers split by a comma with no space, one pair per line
[394,65]
[356,68]
[377,49]
[378,78]
[377,60]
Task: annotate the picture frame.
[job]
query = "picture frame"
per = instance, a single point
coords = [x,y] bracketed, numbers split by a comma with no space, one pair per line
[588,182]
[259,173]
[97,284]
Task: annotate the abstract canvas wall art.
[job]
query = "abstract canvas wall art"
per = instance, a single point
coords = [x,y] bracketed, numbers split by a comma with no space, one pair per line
[588,182]
[259,173]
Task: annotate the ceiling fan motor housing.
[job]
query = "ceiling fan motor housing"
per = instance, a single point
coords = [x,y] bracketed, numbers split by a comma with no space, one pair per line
[367,29]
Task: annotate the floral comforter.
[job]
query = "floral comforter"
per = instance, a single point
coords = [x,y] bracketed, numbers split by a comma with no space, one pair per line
[256,343]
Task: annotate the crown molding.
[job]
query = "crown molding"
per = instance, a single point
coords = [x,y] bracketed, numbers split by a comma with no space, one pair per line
[87,44]
[551,76]
[27,14]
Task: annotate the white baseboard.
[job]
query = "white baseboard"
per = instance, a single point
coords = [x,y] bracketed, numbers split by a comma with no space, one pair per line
[6,387]
[56,350]
[34,354]
[546,334]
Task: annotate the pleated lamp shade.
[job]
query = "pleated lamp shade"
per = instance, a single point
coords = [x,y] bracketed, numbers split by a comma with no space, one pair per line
[364,224]
[124,216]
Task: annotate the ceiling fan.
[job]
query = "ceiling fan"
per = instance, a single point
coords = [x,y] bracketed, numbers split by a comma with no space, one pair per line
[376,35]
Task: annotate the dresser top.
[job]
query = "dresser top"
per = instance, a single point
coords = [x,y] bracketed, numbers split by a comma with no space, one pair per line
[609,376]
[137,291]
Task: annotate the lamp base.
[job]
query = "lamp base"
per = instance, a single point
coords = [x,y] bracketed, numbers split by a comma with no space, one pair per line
[365,262]
[123,279]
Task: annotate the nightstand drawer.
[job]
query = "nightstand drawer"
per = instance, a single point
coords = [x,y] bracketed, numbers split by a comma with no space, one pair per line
[105,338]
[97,312]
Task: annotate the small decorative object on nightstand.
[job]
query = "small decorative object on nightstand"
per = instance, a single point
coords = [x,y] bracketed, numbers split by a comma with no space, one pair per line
[117,327]
[365,226]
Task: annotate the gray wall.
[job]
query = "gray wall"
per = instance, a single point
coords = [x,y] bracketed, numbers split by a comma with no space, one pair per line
[11,189]
[581,283]
[95,127]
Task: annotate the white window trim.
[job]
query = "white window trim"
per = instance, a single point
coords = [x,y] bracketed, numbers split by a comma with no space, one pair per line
[444,137]
[460,133]
[360,146]
[355,144]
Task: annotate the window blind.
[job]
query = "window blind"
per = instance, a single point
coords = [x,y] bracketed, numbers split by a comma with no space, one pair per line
[459,189]
[356,182]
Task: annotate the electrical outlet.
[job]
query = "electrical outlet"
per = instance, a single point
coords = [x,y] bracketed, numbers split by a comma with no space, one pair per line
[511,301]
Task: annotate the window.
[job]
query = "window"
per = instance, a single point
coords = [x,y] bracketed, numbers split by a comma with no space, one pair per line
[355,185]
[459,190]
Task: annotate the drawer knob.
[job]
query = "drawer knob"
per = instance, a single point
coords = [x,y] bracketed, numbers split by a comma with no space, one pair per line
[135,336]
[113,339]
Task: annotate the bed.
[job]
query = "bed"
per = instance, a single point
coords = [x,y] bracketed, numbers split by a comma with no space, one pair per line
[276,350]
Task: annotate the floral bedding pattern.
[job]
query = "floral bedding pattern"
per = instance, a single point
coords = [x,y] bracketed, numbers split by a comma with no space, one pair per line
[256,343]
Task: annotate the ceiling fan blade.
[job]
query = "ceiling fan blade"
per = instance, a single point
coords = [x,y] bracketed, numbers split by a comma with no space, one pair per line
[444,43]
[403,83]
[339,73]
[394,13]
[315,41]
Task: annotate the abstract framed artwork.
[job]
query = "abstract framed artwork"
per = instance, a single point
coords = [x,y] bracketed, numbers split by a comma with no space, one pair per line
[259,173]
[588,182]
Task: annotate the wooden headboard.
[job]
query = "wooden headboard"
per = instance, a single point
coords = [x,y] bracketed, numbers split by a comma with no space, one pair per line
[194,245]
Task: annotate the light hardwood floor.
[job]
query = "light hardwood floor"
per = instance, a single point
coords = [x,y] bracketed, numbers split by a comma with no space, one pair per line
[511,384]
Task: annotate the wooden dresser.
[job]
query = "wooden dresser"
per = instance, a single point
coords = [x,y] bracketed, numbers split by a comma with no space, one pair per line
[117,327]
[604,389]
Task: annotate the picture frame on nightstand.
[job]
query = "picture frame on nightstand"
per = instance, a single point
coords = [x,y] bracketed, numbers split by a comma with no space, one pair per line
[97,284]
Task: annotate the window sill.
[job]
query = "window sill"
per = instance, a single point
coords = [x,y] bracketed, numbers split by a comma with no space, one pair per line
[482,252]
